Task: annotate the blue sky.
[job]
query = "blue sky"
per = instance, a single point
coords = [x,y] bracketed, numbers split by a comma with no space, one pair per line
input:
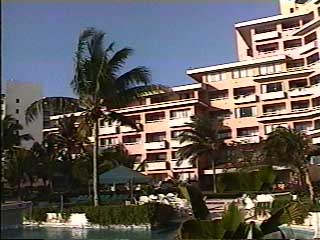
[39,38]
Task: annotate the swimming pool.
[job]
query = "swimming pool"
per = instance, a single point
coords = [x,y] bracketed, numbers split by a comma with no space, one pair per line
[116,234]
[80,233]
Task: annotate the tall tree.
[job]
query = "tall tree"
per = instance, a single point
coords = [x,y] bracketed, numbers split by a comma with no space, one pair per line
[102,86]
[17,164]
[290,148]
[11,133]
[204,143]
[46,155]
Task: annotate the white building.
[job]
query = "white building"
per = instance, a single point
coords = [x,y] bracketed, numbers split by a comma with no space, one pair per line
[19,96]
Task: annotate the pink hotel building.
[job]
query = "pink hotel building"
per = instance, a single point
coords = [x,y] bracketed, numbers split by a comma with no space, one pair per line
[275,82]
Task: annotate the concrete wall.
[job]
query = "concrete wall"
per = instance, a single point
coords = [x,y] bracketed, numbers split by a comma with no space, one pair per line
[27,93]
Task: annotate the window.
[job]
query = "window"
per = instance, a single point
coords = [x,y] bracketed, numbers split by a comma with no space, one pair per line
[157,156]
[180,113]
[222,114]
[174,155]
[267,47]
[108,141]
[101,123]
[303,126]
[224,134]
[175,134]
[274,108]
[269,69]
[300,104]
[242,72]
[17,100]
[270,128]
[137,157]
[246,112]
[156,137]
[313,58]
[215,77]
[17,111]
[244,132]
[219,95]
[131,139]
[17,121]
[186,95]
[153,117]
[272,87]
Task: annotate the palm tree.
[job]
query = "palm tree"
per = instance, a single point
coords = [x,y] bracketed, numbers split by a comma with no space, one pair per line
[70,135]
[204,142]
[17,163]
[11,133]
[290,148]
[46,155]
[101,87]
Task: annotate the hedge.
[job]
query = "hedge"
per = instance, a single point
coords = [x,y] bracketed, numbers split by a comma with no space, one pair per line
[155,214]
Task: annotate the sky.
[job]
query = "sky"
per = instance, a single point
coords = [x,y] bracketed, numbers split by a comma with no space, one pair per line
[39,38]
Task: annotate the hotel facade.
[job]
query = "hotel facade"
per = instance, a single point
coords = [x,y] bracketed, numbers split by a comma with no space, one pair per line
[275,82]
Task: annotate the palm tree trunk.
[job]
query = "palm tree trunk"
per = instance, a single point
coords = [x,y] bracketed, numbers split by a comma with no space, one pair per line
[214,176]
[309,185]
[95,156]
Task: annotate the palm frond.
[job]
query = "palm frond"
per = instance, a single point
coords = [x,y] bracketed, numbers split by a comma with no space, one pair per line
[119,59]
[134,77]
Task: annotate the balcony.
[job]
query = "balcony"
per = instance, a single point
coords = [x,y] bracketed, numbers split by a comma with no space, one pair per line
[248,139]
[266,36]
[157,165]
[245,99]
[155,145]
[268,53]
[316,140]
[183,164]
[272,95]
[125,129]
[176,143]
[296,113]
[309,90]
[308,47]
[108,130]
[312,131]
[177,122]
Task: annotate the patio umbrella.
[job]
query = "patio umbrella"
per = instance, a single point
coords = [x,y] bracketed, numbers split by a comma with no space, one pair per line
[123,175]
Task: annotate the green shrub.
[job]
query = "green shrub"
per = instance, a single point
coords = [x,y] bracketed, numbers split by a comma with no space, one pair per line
[151,213]
[39,214]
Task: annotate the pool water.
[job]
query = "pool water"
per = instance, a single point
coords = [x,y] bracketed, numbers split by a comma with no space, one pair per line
[292,233]
[79,233]
[106,234]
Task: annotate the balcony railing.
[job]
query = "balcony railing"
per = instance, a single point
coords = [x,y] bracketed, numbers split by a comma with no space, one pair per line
[125,129]
[245,99]
[174,143]
[177,122]
[155,145]
[302,112]
[316,140]
[306,109]
[303,91]
[272,95]
[308,47]
[248,139]
[108,130]
[266,35]
[268,53]
[183,164]
[156,165]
